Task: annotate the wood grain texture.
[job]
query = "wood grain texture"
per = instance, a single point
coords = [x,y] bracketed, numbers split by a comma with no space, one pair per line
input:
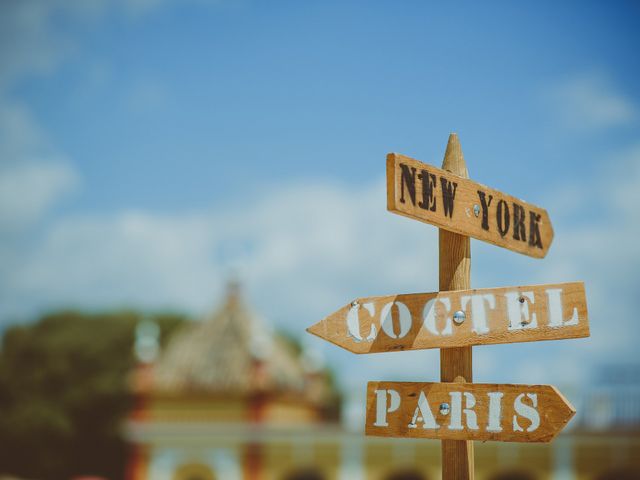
[455,274]
[548,413]
[420,191]
[493,315]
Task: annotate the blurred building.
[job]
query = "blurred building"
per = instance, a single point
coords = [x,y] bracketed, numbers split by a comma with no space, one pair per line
[228,399]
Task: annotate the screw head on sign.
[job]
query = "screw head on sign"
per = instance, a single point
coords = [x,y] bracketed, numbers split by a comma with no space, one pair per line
[445,408]
[476,210]
[459,317]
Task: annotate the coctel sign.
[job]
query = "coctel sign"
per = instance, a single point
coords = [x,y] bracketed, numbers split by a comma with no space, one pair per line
[458,318]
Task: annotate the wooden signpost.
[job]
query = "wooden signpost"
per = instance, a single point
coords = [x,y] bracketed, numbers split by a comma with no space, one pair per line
[457,411]
[458,318]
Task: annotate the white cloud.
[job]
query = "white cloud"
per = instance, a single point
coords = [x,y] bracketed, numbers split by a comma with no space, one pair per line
[26,44]
[299,249]
[590,102]
[34,176]
[20,136]
[28,192]
[31,44]
[132,258]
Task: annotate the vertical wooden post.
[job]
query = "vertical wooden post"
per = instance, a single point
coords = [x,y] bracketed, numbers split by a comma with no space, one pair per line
[455,363]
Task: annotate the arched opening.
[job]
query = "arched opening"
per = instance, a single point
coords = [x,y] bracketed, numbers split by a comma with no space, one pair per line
[406,475]
[513,475]
[194,471]
[305,474]
[621,474]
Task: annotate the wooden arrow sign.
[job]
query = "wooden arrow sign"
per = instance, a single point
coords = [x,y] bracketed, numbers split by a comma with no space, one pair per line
[458,318]
[431,195]
[466,411]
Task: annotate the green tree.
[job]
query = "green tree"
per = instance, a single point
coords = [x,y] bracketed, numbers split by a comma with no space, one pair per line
[64,393]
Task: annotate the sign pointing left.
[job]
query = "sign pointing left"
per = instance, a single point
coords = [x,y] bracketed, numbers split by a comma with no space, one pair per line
[458,318]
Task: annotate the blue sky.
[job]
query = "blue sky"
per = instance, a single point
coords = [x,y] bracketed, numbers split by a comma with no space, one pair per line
[150,148]
[208,100]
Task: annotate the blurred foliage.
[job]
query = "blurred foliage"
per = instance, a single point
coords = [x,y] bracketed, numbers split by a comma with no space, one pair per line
[64,393]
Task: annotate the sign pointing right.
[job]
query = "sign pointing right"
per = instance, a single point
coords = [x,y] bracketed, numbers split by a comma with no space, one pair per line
[466,411]
[432,195]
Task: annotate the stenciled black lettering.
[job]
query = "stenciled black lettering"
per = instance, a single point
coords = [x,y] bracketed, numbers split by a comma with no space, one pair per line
[534,230]
[428,186]
[503,218]
[519,232]
[448,195]
[485,208]
[408,178]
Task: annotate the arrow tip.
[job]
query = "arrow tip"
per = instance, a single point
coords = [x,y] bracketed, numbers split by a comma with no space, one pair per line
[314,329]
[569,409]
